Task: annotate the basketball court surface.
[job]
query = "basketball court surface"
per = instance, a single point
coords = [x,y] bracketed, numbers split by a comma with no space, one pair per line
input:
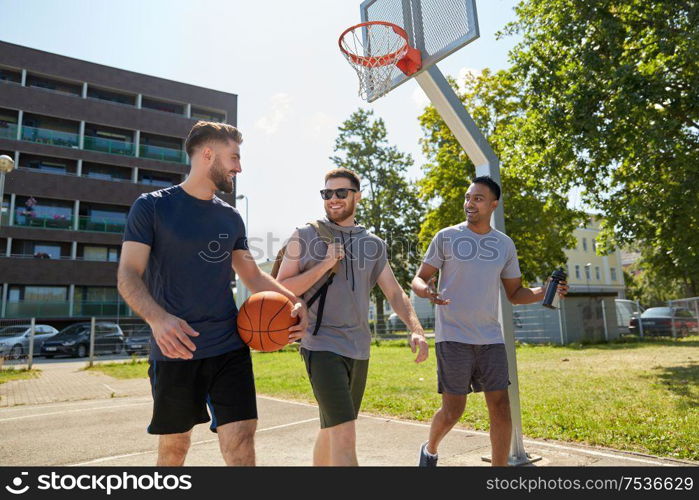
[109,429]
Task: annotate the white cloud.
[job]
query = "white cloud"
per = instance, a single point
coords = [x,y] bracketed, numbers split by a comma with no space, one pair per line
[420,98]
[279,108]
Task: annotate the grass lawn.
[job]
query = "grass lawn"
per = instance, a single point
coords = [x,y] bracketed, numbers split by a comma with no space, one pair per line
[634,396]
[7,374]
[136,368]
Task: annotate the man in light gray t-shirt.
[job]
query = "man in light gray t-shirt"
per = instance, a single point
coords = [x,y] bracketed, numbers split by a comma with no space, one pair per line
[472,259]
[471,266]
[337,354]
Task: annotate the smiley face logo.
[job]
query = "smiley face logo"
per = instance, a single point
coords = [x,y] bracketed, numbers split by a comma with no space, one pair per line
[16,488]
[214,247]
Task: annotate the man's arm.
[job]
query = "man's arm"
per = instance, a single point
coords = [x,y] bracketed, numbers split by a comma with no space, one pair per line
[400,302]
[290,274]
[517,294]
[257,281]
[170,332]
[424,284]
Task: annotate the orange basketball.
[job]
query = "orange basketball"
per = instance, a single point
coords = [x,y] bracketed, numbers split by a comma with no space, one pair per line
[264,321]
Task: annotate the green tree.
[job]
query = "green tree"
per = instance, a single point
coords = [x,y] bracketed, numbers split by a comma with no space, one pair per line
[609,89]
[390,207]
[536,217]
[651,288]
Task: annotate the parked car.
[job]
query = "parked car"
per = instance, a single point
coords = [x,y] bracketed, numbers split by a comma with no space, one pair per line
[139,341]
[74,340]
[395,324]
[14,340]
[659,321]
[625,310]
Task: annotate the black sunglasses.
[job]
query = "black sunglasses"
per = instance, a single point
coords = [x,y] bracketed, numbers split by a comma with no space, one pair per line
[341,193]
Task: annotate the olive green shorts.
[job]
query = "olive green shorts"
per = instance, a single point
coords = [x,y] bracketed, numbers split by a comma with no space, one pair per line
[338,385]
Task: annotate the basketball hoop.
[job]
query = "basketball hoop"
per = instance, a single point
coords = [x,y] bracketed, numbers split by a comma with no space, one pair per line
[375,49]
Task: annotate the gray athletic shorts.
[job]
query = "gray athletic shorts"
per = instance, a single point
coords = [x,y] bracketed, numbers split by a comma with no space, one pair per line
[464,368]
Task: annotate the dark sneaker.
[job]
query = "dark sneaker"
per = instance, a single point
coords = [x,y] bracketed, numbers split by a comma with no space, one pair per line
[426,460]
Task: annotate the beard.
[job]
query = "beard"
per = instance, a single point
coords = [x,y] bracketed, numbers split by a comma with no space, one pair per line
[220,177]
[345,214]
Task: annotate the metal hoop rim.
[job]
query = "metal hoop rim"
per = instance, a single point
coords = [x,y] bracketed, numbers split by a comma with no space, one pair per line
[373,61]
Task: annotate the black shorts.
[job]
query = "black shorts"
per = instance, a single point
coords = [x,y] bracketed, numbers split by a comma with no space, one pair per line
[182,390]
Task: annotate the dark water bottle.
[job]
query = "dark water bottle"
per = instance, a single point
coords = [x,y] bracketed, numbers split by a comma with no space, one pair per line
[551,297]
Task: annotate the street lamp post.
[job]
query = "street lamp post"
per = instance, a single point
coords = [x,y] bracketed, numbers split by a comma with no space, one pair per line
[7,164]
[240,197]
[247,231]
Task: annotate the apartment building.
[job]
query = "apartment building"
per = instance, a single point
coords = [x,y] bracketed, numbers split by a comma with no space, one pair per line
[87,140]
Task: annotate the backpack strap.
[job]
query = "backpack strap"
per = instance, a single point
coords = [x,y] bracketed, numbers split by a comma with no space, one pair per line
[328,238]
[325,234]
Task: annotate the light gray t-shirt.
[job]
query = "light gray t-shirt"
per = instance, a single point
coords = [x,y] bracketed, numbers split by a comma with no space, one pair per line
[344,328]
[471,266]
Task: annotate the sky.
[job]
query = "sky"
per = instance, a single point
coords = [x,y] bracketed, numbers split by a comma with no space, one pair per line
[282,60]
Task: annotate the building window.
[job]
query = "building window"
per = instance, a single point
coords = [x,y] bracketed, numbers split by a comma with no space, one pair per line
[584,244]
[39,293]
[111,96]
[594,245]
[597,277]
[163,106]
[104,254]
[577,271]
[47,251]
[106,172]
[54,85]
[613,273]
[10,75]
[208,115]
[587,272]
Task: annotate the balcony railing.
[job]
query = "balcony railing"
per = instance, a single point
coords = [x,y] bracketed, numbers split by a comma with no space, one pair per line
[85,223]
[52,137]
[109,146]
[43,222]
[101,224]
[59,309]
[30,309]
[163,154]
[62,257]
[101,309]
[8,131]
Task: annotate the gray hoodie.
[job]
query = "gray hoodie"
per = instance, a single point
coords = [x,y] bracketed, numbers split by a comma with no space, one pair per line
[344,328]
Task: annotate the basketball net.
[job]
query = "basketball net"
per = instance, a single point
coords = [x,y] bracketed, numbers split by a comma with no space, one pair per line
[376,50]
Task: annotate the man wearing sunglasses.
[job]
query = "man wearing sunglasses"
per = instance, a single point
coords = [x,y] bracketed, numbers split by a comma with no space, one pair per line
[337,355]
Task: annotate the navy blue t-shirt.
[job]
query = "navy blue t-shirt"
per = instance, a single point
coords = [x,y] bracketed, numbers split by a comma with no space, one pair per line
[189,269]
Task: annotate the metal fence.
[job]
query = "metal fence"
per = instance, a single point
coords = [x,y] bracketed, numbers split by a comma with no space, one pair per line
[18,343]
[685,316]
[390,326]
[26,342]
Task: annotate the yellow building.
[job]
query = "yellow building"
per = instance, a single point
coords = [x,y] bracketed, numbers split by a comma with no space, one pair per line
[589,272]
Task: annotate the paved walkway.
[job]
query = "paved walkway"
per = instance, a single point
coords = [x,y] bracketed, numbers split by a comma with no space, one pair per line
[106,419]
[67,381]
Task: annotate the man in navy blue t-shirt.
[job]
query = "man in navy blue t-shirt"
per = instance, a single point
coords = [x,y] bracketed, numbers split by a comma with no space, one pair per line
[175,271]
